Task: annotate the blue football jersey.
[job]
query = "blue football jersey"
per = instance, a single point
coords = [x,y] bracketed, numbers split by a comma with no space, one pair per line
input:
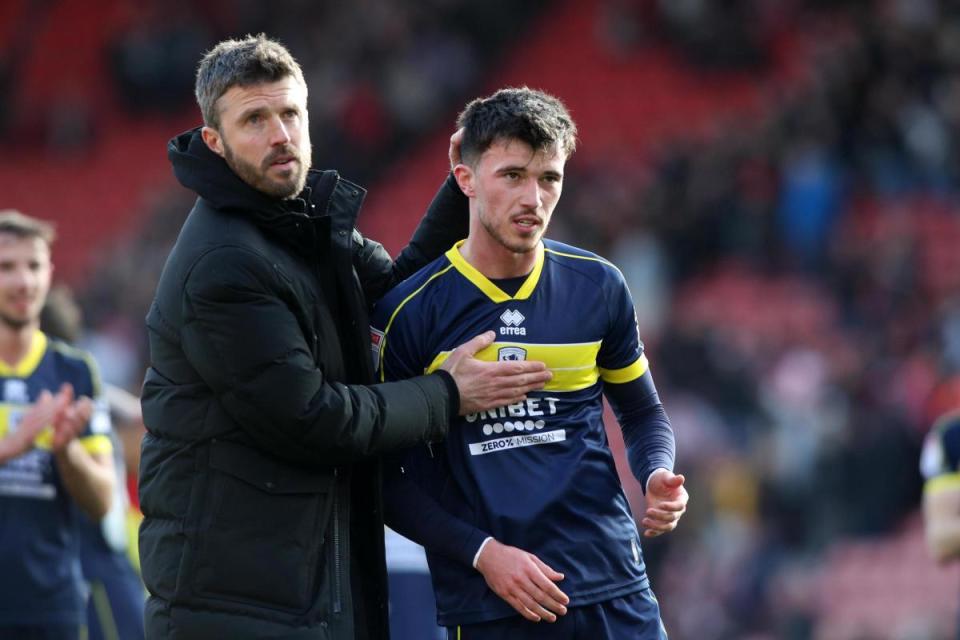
[538,475]
[39,550]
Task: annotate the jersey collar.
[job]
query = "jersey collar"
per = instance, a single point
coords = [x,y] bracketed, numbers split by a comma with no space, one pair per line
[29,362]
[492,291]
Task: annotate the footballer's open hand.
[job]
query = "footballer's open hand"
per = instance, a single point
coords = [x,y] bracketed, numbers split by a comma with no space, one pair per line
[488,385]
[666,503]
[524,581]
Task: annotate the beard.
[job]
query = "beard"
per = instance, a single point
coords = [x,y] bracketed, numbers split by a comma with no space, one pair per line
[257,177]
[514,245]
[15,323]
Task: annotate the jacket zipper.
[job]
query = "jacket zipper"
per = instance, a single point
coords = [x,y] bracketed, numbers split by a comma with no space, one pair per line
[337,601]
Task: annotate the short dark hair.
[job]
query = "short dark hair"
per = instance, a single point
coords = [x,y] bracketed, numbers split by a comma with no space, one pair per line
[250,61]
[537,118]
[23,226]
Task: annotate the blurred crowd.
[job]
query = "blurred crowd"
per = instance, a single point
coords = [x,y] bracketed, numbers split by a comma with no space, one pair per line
[797,277]
[379,72]
[799,283]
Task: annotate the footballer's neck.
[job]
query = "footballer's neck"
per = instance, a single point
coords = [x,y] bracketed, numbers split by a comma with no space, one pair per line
[496,262]
[16,340]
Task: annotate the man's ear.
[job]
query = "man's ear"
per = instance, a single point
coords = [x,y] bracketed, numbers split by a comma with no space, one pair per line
[213,140]
[464,176]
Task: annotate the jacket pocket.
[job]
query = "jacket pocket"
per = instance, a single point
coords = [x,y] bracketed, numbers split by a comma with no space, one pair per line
[262,530]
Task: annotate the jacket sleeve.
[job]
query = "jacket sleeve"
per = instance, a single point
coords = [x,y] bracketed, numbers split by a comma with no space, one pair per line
[247,345]
[447,220]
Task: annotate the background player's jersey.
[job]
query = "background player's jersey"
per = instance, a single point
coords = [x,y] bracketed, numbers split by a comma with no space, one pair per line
[538,475]
[41,580]
[940,458]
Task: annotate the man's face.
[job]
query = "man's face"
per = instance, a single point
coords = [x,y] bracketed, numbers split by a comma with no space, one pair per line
[264,136]
[25,271]
[514,193]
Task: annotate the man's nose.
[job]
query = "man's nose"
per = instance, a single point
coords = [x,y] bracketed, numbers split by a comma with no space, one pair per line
[532,196]
[23,277]
[278,132]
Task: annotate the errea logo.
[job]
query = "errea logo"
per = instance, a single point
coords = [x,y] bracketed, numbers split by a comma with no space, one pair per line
[512,318]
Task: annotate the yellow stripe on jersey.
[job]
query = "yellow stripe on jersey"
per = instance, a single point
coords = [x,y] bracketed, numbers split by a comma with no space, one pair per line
[945,482]
[574,366]
[29,362]
[483,283]
[386,330]
[627,374]
[575,256]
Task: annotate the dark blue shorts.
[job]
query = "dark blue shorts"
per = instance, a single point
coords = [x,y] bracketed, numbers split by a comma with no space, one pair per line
[117,598]
[635,616]
[45,632]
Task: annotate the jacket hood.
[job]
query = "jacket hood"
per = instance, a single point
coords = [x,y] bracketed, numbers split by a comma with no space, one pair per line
[201,170]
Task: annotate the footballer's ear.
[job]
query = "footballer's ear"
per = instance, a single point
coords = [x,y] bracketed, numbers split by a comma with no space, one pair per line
[465,176]
[213,140]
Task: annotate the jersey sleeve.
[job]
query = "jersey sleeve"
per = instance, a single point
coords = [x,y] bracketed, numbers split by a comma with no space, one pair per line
[395,340]
[647,433]
[95,436]
[628,385]
[621,358]
[412,506]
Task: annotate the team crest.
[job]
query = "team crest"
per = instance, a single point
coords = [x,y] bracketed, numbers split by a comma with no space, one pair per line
[511,353]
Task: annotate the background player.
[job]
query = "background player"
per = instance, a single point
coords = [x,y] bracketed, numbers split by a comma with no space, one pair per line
[46,480]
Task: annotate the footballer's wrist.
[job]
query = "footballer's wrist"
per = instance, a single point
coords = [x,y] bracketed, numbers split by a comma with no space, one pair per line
[476,556]
[646,486]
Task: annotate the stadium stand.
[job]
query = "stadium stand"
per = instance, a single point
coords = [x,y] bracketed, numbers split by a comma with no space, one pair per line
[886,587]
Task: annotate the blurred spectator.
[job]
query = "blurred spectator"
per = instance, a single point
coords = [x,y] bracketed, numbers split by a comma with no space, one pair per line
[154,57]
[715,34]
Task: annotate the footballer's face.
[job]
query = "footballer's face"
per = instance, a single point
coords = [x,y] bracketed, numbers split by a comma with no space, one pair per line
[513,191]
[264,135]
[25,271]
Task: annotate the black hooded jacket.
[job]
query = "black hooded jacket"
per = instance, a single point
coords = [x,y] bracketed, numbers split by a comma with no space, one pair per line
[259,478]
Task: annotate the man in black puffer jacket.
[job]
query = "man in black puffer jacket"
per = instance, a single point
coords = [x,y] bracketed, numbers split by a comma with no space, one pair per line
[260,481]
